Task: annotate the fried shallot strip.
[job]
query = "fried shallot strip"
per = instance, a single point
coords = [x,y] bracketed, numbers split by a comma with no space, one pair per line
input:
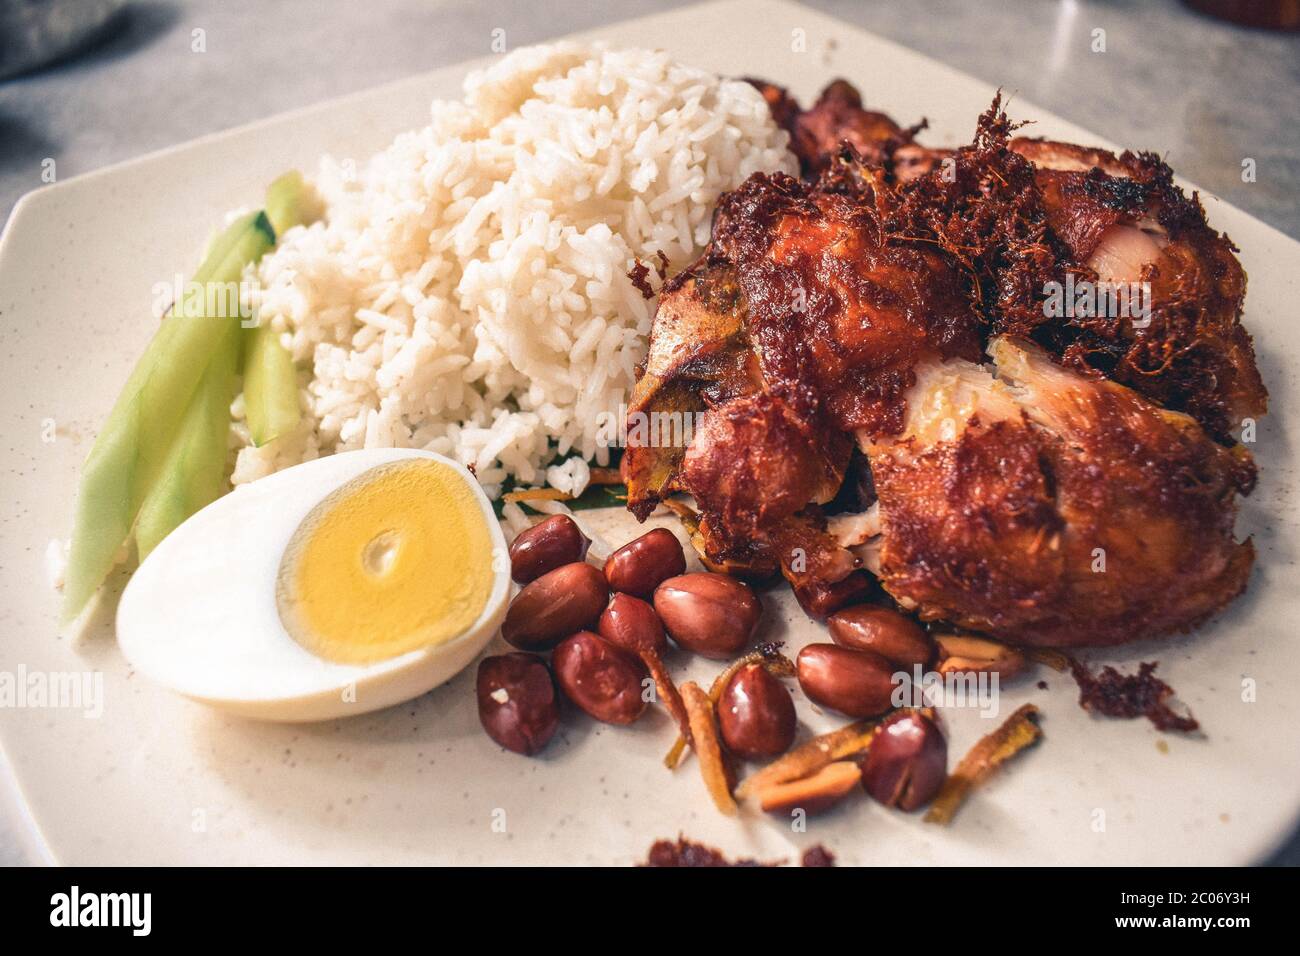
[812,756]
[708,748]
[1019,731]
[669,694]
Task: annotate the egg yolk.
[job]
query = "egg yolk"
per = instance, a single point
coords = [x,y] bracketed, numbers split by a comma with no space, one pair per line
[397,559]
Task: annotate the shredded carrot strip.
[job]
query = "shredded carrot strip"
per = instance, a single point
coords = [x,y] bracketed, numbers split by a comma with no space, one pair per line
[674,755]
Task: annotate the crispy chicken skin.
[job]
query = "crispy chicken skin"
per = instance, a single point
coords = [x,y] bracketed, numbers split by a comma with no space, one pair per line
[755,463]
[831,340]
[1053,509]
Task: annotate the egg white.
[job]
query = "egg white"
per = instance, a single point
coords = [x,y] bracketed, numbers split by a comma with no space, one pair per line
[199,615]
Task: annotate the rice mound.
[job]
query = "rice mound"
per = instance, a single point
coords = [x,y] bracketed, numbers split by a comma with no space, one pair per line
[467,291]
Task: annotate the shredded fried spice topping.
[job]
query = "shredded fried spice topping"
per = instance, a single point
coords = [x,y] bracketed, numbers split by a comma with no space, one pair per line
[640,276]
[684,852]
[1130,695]
[687,853]
[817,855]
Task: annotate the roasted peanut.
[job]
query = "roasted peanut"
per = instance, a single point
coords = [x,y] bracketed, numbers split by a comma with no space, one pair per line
[603,680]
[814,794]
[630,623]
[545,546]
[869,627]
[558,603]
[755,714]
[961,654]
[856,683]
[639,566]
[906,763]
[517,704]
[710,614]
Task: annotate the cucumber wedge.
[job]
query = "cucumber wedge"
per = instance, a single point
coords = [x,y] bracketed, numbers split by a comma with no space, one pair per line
[270,380]
[194,472]
[132,447]
[270,387]
[290,202]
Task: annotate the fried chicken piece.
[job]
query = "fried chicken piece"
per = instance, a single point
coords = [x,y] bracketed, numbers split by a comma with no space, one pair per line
[838,117]
[798,297]
[823,574]
[700,422]
[1053,509]
[818,134]
[800,325]
[859,306]
[759,473]
[837,312]
[755,463]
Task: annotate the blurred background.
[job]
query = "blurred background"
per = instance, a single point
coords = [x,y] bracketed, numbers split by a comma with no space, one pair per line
[93,82]
[87,83]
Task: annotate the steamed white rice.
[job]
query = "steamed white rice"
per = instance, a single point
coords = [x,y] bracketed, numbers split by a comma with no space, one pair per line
[467,291]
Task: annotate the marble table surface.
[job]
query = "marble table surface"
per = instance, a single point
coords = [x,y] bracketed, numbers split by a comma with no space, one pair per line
[1205,95]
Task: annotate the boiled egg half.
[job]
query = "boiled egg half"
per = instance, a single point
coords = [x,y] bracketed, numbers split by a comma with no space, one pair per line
[336,587]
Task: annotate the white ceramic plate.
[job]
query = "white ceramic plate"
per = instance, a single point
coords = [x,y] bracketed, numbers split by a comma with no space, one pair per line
[158,779]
